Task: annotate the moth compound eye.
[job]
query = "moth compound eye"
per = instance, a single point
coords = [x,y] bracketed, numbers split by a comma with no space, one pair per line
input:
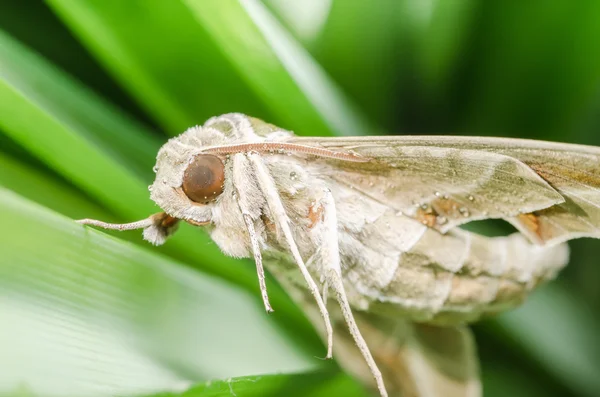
[203,179]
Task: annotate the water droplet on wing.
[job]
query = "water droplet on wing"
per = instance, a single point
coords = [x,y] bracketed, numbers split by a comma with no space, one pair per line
[441,220]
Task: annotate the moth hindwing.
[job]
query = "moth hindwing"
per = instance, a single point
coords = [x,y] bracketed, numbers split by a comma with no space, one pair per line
[373,223]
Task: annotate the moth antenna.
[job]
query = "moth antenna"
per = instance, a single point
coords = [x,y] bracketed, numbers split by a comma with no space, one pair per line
[258,260]
[144,223]
[278,211]
[333,278]
[291,147]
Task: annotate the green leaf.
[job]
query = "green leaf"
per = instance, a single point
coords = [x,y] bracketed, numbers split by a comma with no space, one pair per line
[72,105]
[42,108]
[278,68]
[304,20]
[47,190]
[106,316]
[316,384]
[162,57]
[361,48]
[45,33]
[188,61]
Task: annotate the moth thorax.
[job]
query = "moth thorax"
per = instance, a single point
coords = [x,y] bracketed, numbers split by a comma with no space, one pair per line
[203,179]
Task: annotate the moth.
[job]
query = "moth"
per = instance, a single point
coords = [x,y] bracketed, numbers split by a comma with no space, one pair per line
[370,225]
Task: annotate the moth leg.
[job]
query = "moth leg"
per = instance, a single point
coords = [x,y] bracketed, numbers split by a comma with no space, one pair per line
[144,223]
[244,202]
[331,267]
[157,227]
[325,291]
[267,185]
[258,260]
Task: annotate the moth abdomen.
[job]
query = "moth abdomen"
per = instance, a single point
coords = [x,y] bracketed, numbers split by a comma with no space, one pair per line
[491,276]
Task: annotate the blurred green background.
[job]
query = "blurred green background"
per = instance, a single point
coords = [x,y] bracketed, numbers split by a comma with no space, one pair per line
[90,89]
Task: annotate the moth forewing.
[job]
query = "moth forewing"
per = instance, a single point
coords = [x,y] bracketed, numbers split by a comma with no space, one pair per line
[448,186]
[373,221]
[550,191]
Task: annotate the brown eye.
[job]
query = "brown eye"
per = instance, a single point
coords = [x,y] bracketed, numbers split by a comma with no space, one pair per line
[203,178]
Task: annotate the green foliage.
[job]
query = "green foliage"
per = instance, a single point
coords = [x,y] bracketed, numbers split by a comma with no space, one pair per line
[314,384]
[90,89]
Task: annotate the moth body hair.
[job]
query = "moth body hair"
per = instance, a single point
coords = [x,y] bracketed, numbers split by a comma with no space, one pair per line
[157,234]
[228,229]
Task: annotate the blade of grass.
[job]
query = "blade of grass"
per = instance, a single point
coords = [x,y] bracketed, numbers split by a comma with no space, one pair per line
[305,20]
[289,81]
[34,24]
[76,107]
[321,384]
[106,316]
[207,58]
[47,190]
[162,56]
[361,48]
[70,154]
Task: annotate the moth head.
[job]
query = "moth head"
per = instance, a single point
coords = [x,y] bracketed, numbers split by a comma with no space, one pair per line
[195,185]
[189,182]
